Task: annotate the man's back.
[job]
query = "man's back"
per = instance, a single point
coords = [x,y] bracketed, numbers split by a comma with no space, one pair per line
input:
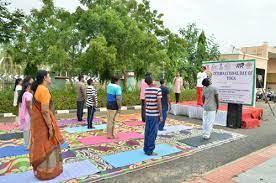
[210,100]
[91,93]
[152,94]
[165,92]
[80,90]
[113,91]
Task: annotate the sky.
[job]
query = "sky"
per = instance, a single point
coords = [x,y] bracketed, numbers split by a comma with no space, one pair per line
[232,22]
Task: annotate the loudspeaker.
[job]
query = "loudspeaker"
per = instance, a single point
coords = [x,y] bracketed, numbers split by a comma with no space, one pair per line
[234,115]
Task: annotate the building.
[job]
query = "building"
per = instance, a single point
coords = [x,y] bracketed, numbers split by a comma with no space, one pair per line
[265,57]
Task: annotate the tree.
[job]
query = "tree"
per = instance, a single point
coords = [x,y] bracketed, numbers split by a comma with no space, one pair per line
[10,22]
[129,27]
[177,53]
[199,48]
[201,52]
[99,58]
[109,37]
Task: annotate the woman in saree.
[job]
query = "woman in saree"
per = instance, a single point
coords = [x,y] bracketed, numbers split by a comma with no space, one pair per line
[45,153]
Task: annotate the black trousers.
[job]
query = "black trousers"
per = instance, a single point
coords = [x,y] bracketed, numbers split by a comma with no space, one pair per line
[90,116]
[177,96]
[80,105]
[143,110]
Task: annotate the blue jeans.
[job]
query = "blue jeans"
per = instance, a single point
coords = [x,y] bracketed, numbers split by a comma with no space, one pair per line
[151,130]
[165,109]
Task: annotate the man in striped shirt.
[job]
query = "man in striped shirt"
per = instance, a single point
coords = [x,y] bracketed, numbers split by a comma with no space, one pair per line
[153,97]
[91,102]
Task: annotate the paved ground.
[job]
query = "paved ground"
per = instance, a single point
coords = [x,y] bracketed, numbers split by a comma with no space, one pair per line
[189,167]
[258,167]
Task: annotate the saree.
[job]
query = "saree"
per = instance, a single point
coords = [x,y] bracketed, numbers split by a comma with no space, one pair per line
[45,153]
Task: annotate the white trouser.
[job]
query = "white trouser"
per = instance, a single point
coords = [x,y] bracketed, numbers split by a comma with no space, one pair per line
[207,123]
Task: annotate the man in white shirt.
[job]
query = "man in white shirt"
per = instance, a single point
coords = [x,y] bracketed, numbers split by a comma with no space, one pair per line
[199,87]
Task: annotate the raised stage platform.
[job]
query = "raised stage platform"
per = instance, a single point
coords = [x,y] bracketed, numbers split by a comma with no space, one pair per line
[250,115]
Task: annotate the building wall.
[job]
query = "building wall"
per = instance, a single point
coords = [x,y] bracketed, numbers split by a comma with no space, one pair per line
[229,56]
[260,51]
[271,66]
[271,76]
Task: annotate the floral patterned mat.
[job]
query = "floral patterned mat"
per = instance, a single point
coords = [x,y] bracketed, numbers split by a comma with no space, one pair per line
[77,151]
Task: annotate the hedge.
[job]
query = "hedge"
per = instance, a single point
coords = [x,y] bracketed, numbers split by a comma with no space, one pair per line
[66,99]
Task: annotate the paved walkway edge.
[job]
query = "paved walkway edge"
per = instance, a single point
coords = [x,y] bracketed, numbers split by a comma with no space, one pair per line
[226,173]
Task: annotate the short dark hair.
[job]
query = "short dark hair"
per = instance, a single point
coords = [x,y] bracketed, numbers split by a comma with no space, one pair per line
[114,79]
[89,81]
[80,77]
[148,80]
[162,81]
[206,82]
[204,67]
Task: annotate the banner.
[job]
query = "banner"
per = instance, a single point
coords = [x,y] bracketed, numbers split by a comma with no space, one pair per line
[235,80]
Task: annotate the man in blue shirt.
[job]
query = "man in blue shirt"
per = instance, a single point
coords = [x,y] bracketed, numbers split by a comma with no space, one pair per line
[114,97]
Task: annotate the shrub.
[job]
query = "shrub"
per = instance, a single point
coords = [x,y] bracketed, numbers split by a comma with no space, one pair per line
[6,102]
[186,95]
[66,98]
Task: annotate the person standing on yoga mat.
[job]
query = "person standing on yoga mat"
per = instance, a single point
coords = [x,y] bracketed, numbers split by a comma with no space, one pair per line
[199,88]
[45,151]
[166,104]
[210,106]
[114,98]
[26,98]
[143,86]
[177,86]
[80,90]
[91,102]
[17,89]
[153,97]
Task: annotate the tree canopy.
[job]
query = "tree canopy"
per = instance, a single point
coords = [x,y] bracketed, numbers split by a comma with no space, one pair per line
[9,22]
[109,37]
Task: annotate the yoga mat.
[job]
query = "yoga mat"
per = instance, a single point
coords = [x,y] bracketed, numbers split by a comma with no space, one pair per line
[65,145]
[70,171]
[82,129]
[133,123]
[19,150]
[136,156]
[8,127]
[9,136]
[171,129]
[64,122]
[68,154]
[199,141]
[102,139]
[129,135]
[13,151]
